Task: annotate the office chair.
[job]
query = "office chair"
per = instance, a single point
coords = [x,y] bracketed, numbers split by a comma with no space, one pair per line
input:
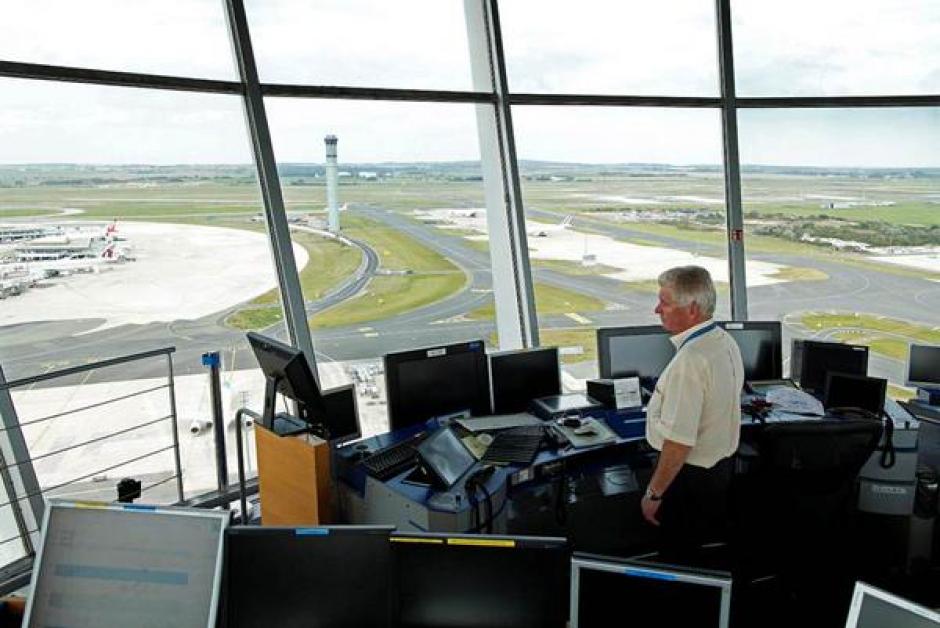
[794,515]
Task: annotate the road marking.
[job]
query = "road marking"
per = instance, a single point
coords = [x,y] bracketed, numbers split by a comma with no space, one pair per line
[578,318]
[365,329]
[371,334]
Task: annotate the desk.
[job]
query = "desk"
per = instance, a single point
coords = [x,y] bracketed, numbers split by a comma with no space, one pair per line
[364,499]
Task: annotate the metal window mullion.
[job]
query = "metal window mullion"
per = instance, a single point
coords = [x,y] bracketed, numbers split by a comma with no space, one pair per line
[498,152]
[732,164]
[292,299]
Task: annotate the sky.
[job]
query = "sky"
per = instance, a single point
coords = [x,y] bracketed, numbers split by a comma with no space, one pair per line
[605,47]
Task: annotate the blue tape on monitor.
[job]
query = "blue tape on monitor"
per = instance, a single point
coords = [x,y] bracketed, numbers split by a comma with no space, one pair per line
[311,532]
[652,575]
[138,507]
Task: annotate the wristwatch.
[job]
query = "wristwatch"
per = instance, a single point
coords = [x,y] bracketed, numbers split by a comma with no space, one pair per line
[652,495]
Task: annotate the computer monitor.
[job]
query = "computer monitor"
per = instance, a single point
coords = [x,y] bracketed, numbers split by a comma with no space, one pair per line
[127,564]
[425,383]
[287,371]
[761,348]
[642,351]
[811,360]
[656,595]
[335,576]
[480,581]
[855,391]
[874,608]
[445,457]
[342,414]
[518,377]
[923,366]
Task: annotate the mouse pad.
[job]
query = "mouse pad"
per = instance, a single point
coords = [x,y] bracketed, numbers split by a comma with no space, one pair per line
[602,434]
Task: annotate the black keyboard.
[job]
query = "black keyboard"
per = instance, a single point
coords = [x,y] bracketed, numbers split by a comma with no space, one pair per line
[515,446]
[394,459]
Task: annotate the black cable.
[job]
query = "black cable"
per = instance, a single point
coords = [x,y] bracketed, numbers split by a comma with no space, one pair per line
[887,453]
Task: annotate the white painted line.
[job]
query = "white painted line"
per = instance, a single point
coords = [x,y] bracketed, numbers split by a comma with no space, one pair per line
[371,334]
[578,318]
[364,329]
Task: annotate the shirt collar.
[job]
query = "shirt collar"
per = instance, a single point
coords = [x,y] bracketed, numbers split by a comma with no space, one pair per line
[679,338]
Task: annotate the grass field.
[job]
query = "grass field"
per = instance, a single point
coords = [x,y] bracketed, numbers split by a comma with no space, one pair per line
[255,317]
[886,336]
[548,300]
[388,296]
[329,264]
[584,338]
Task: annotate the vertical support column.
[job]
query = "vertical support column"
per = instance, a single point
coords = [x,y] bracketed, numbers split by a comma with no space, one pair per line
[732,164]
[516,318]
[20,478]
[292,298]
[214,362]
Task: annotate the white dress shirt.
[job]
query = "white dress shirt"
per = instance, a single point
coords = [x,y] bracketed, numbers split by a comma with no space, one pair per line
[697,401]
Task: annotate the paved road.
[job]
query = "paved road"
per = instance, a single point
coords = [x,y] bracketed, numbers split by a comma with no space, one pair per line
[31,348]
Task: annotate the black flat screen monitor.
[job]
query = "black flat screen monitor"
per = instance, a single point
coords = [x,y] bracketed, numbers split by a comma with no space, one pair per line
[642,351]
[855,391]
[342,415]
[518,377]
[445,457]
[761,348]
[656,595]
[329,577]
[923,366]
[427,383]
[819,358]
[287,371]
[873,608]
[480,581]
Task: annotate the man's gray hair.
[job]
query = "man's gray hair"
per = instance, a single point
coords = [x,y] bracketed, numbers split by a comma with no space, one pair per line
[691,284]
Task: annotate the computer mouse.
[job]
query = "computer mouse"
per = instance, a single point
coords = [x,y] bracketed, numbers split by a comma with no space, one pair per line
[585,430]
[485,439]
[575,423]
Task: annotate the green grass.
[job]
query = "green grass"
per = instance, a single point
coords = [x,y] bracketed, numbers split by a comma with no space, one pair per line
[388,296]
[576,269]
[584,338]
[254,318]
[885,336]
[548,300]
[329,264]
[903,213]
[396,250]
[794,273]
[26,213]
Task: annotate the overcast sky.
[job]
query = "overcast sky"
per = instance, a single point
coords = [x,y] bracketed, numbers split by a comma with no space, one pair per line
[792,47]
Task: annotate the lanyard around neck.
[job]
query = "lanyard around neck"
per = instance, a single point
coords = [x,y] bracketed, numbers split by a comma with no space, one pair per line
[696,334]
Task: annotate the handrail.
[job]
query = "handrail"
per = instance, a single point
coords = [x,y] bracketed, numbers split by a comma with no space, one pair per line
[72,370]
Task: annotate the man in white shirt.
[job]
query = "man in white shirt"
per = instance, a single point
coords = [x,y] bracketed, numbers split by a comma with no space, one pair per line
[693,418]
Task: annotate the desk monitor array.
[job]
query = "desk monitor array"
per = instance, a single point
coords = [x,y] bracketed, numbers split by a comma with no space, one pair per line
[425,383]
[648,594]
[812,360]
[337,577]
[127,565]
[923,366]
[480,581]
[287,371]
[761,346]
[848,391]
[518,377]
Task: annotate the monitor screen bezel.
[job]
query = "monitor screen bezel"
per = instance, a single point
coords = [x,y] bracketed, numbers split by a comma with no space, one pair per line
[776,329]
[295,378]
[498,356]
[56,504]
[882,384]
[391,362]
[809,346]
[658,571]
[916,382]
[605,334]
[862,589]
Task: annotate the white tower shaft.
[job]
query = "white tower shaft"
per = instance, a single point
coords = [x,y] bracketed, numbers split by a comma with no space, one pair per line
[332,184]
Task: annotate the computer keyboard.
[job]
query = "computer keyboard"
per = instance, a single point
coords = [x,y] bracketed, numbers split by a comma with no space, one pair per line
[515,446]
[394,459]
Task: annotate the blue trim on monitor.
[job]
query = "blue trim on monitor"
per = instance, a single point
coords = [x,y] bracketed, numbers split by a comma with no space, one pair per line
[652,575]
[312,532]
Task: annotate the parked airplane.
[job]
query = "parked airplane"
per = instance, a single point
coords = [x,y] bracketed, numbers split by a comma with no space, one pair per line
[544,231]
[110,254]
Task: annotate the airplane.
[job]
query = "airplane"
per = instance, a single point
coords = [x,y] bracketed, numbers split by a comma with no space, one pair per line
[110,254]
[544,231]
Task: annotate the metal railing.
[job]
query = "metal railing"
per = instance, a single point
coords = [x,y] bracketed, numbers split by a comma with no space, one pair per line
[29,489]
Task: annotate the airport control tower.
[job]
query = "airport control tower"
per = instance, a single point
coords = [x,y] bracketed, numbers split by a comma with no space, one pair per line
[332,203]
